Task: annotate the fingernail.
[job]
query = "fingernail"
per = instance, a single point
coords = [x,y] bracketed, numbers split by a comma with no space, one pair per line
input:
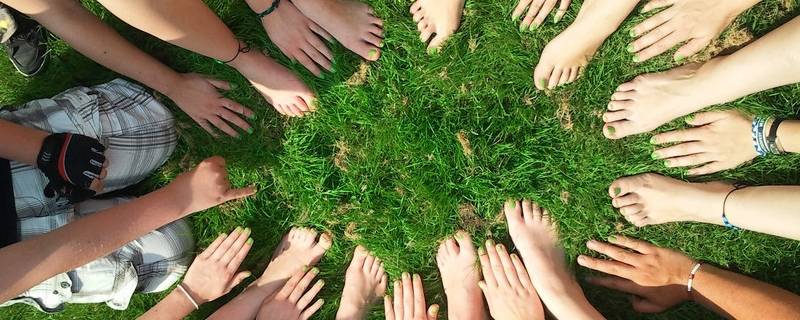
[612,130]
[238,229]
[653,140]
[252,116]
[250,130]
[679,58]
[321,283]
[617,191]
[248,274]
[223,235]
[500,247]
[405,275]
[590,244]
[416,277]
[533,27]
[515,18]
[246,230]
[557,18]
[635,58]
[522,28]
[654,156]
[629,47]
[632,33]
[481,251]
[581,260]
[234,86]
[250,241]
[305,268]
[490,242]
[435,308]
[315,270]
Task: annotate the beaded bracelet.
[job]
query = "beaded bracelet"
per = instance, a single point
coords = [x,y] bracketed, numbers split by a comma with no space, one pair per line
[691,278]
[759,142]
[269,10]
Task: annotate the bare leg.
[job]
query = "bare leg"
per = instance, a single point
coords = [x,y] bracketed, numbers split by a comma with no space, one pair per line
[652,100]
[351,22]
[190,24]
[364,285]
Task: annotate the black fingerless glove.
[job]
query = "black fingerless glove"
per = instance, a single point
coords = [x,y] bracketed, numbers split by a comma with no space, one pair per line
[71,162]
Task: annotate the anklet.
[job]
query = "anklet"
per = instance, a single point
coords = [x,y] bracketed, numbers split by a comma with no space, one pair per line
[725,220]
[188,296]
[239,51]
[269,10]
[691,279]
[772,137]
[759,143]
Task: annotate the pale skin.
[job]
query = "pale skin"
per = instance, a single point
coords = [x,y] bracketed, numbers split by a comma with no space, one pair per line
[535,236]
[350,22]
[654,199]
[295,301]
[536,12]
[657,279]
[652,100]
[299,249]
[364,285]
[409,301]
[32,261]
[718,141]
[212,274]
[436,21]
[507,285]
[456,259]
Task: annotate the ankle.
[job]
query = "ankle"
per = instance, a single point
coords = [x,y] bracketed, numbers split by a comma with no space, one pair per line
[246,60]
[351,310]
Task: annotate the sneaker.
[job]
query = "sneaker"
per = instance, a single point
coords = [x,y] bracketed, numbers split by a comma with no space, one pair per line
[27,47]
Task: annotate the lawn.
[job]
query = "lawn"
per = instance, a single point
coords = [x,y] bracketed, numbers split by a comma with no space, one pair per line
[409,149]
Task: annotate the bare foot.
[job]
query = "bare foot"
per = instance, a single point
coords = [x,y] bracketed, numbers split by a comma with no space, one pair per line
[279,86]
[564,58]
[299,249]
[460,275]
[654,99]
[537,12]
[299,38]
[440,17]
[364,284]
[507,285]
[536,238]
[653,199]
[351,22]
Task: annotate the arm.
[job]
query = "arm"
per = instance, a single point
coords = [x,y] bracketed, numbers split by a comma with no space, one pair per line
[245,305]
[20,143]
[32,261]
[174,306]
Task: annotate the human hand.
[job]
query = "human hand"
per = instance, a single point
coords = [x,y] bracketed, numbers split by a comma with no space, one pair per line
[74,164]
[299,38]
[507,285]
[537,12]
[409,301]
[199,97]
[641,262]
[206,186]
[696,22]
[718,141]
[645,299]
[213,272]
[290,303]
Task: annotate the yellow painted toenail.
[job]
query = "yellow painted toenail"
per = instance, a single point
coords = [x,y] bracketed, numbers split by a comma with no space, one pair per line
[612,130]
[617,191]
[481,251]
[238,229]
[612,238]
[515,18]
[653,140]
[522,27]
[635,59]
[373,53]
[533,26]
[314,270]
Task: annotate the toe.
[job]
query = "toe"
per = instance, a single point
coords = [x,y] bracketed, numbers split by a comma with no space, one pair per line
[631,210]
[376,266]
[615,105]
[623,95]
[564,77]
[368,261]
[512,211]
[358,256]
[452,246]
[324,243]
[626,200]
[554,78]
[628,86]
[441,254]
[614,116]
[624,186]
[527,210]
[418,16]
[464,241]
[619,129]
[541,75]
[416,6]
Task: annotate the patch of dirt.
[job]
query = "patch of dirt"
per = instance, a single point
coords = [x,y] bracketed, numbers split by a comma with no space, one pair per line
[469,220]
[360,77]
[788,4]
[344,208]
[472,44]
[527,100]
[443,74]
[342,151]
[737,37]
[466,146]
[564,112]
[565,197]
[350,232]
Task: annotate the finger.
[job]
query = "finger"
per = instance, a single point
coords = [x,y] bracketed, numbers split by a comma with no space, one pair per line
[237,246]
[312,310]
[233,118]
[606,266]
[637,245]
[419,297]
[554,78]
[656,4]
[433,312]
[96,185]
[544,12]
[704,118]
[617,283]
[533,10]
[691,134]
[689,161]
[508,267]
[408,295]
[219,84]
[679,150]
[614,252]
[388,309]
[303,285]
[306,299]
[222,126]
[237,280]
[522,273]
[562,9]
[207,127]
[213,246]
[649,24]
[234,194]
[519,9]
[661,46]
[708,168]
[496,265]
[291,284]
[238,108]
[237,259]
[398,300]
[306,61]
[226,244]
[486,267]
[690,48]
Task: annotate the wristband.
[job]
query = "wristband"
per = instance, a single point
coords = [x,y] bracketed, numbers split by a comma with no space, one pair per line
[269,10]
[757,135]
[692,274]
[772,137]
[188,296]
[70,162]
[725,220]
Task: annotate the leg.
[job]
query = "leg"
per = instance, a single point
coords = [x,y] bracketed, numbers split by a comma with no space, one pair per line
[364,284]
[137,130]
[564,58]
[536,238]
[652,100]
[437,17]
[190,24]
[456,261]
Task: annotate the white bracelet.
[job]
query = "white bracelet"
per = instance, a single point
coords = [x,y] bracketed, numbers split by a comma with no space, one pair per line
[188,296]
[691,277]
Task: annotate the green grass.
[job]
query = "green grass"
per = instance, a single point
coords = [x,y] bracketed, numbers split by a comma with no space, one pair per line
[380,164]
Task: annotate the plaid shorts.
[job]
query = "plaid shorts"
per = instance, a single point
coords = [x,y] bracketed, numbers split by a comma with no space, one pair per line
[139,135]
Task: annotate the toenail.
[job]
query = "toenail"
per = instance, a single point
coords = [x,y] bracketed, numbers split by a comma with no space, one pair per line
[666,163]
[380,44]
[612,238]
[611,130]
[635,59]
[522,28]
[373,53]
[632,33]
[679,58]
[617,191]
[629,47]
[252,116]
[515,18]
[533,27]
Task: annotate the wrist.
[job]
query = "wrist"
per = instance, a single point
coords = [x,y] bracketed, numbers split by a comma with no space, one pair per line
[170,84]
[681,277]
[37,140]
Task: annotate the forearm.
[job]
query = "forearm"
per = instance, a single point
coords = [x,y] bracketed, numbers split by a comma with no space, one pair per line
[21,144]
[174,306]
[32,261]
[768,209]
[244,306]
[91,37]
[741,297]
